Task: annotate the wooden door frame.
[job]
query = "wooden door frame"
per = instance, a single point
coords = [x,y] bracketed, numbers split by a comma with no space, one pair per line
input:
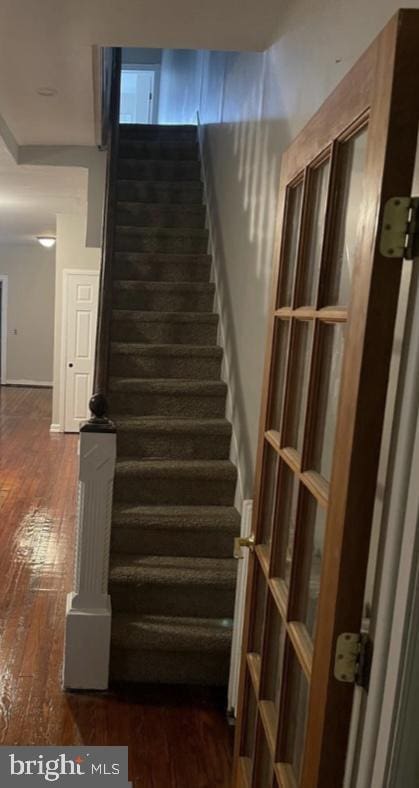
[67,272]
[381,87]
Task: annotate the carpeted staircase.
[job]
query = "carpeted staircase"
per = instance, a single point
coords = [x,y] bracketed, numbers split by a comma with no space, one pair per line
[172,577]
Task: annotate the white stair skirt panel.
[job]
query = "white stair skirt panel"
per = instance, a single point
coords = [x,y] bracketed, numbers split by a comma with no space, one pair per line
[88,615]
[239,607]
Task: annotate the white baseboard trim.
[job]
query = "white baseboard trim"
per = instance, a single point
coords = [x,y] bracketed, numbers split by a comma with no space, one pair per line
[56,428]
[35,383]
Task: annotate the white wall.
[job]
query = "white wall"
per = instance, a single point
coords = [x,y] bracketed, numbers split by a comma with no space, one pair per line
[30,314]
[180,86]
[253,104]
[71,252]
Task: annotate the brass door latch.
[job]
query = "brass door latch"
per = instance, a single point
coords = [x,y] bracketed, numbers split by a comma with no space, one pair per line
[243,541]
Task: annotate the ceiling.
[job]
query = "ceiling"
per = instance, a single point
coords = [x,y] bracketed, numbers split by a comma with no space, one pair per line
[48,43]
[31,196]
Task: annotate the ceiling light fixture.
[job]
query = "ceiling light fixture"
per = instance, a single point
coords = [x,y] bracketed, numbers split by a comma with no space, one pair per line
[46,240]
[47,92]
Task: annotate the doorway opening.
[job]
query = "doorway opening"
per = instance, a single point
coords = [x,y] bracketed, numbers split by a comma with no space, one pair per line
[80,304]
[139,85]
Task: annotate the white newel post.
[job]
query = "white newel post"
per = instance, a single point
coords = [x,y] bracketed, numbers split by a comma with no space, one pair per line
[88,614]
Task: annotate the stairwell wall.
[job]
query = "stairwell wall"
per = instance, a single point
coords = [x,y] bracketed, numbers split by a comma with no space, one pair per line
[251,107]
[30,269]
[180,86]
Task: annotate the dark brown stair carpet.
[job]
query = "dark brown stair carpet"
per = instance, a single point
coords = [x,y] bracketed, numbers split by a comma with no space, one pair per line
[203,531]
[163,192]
[171,361]
[172,650]
[164,327]
[172,577]
[165,438]
[158,267]
[163,296]
[172,398]
[146,214]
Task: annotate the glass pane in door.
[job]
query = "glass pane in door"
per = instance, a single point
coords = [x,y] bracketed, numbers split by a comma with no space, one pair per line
[297,699]
[250,715]
[282,331]
[269,494]
[317,201]
[313,531]
[260,593]
[273,657]
[292,232]
[347,220]
[264,770]
[293,432]
[286,522]
[330,355]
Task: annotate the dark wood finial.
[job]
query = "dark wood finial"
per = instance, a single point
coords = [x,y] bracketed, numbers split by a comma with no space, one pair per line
[98,407]
[99,421]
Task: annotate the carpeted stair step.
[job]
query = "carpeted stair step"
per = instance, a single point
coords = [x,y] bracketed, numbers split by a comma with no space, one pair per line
[155,132]
[171,148]
[163,296]
[165,192]
[175,482]
[173,398]
[162,267]
[173,585]
[145,214]
[165,361]
[163,438]
[159,170]
[166,650]
[161,239]
[172,575]
[177,328]
[205,531]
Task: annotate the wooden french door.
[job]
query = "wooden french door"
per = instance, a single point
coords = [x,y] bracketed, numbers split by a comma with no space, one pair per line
[329,346]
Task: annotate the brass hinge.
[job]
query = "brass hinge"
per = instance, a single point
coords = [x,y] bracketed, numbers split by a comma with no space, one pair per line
[353,658]
[400,228]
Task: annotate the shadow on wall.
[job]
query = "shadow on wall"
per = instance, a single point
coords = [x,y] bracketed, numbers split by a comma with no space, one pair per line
[242,162]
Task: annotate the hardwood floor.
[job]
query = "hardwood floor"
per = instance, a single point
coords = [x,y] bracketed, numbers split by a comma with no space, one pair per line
[177,738]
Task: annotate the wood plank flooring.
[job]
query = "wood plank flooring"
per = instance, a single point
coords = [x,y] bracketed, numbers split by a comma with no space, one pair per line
[177,738]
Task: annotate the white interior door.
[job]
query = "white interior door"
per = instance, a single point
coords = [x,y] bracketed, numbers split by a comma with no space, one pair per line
[80,314]
[137,92]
